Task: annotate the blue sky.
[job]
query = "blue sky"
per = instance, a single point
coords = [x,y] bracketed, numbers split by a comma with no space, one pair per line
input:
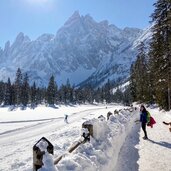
[35,17]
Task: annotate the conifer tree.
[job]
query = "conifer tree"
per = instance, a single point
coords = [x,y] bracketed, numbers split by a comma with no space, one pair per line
[41,95]
[88,93]
[118,96]
[107,91]
[102,94]
[68,91]
[63,93]
[8,93]
[133,83]
[98,96]
[51,91]
[139,79]
[127,98]
[160,56]
[2,88]
[13,95]
[25,90]
[18,86]
[79,95]
[33,95]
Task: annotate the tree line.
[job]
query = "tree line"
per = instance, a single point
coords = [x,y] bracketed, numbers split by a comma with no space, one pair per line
[21,93]
[150,75]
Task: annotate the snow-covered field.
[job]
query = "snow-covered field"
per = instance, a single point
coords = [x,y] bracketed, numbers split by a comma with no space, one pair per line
[117,144]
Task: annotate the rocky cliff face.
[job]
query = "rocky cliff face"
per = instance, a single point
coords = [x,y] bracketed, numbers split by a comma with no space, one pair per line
[82,50]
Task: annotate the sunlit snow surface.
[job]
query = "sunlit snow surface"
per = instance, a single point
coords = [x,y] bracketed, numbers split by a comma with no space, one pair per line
[21,129]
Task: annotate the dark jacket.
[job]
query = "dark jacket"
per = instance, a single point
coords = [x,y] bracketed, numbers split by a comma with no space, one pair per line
[143,117]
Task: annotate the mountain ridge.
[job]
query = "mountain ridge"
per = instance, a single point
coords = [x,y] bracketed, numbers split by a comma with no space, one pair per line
[81,49]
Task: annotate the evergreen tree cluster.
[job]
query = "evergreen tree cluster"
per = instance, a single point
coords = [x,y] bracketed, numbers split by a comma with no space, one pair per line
[150,79]
[20,93]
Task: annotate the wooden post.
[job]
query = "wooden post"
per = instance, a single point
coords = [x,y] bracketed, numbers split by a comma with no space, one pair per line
[38,154]
[116,111]
[101,117]
[108,115]
[56,161]
[70,150]
[89,127]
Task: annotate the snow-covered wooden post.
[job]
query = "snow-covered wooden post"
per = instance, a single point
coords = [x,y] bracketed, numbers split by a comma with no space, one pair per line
[116,111]
[39,151]
[108,115]
[101,117]
[88,126]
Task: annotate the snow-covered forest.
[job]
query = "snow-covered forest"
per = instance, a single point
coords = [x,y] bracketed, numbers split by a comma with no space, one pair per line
[21,93]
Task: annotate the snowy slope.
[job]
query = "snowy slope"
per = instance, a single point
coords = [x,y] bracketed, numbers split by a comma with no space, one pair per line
[81,49]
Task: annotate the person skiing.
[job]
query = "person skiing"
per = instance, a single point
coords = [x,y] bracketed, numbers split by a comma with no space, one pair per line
[144,120]
[66,118]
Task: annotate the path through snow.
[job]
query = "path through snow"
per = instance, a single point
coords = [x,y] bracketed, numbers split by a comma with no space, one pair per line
[128,156]
[155,153]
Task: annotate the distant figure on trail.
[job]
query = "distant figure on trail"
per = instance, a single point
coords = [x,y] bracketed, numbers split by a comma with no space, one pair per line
[144,119]
[66,118]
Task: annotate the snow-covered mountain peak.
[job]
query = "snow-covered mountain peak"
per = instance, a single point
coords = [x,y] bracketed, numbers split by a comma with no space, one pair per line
[21,38]
[74,18]
[82,49]
[76,14]
[7,46]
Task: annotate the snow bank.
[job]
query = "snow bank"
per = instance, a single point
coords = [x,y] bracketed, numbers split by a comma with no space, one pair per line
[101,153]
[48,163]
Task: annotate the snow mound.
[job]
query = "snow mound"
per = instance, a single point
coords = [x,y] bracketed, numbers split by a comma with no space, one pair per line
[101,153]
[48,163]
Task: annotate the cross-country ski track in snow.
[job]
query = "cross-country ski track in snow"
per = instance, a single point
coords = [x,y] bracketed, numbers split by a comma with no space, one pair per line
[41,128]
